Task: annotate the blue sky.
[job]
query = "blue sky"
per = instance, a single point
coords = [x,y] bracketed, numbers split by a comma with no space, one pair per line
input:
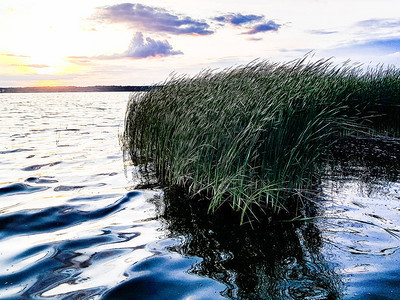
[107,42]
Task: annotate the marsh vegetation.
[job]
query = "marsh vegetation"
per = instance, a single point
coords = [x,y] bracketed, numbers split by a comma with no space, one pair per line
[254,137]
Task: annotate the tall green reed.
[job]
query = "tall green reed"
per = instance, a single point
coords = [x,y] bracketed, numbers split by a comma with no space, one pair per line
[253,136]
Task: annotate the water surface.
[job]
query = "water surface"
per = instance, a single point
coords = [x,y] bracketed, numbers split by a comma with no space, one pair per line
[75,225]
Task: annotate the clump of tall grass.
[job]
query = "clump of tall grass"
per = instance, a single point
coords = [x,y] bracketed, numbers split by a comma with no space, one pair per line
[251,136]
[375,94]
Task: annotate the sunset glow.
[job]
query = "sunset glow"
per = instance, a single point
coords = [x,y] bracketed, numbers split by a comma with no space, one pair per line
[115,43]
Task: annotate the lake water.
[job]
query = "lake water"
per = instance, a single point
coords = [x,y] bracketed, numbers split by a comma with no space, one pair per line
[75,225]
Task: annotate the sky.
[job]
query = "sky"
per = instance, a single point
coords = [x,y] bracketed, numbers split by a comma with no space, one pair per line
[108,42]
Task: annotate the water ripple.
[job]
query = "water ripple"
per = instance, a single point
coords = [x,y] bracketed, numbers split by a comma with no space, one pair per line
[37,167]
[19,188]
[55,217]
[71,227]
[40,180]
[14,151]
[165,276]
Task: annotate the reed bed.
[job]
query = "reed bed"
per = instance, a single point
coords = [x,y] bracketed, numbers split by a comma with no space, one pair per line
[254,136]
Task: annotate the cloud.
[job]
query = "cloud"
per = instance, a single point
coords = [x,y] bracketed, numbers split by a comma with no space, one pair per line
[370,48]
[238,19]
[255,39]
[156,19]
[252,23]
[37,66]
[269,26]
[378,27]
[379,23]
[81,60]
[302,50]
[21,80]
[322,32]
[152,19]
[138,48]
[387,45]
[14,55]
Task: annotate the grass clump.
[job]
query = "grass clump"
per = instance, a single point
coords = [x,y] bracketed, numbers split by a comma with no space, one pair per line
[251,136]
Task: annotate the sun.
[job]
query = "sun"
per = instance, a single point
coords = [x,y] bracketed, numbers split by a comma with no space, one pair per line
[45,63]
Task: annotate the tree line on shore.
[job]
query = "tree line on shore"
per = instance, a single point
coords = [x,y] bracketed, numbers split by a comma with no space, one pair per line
[58,89]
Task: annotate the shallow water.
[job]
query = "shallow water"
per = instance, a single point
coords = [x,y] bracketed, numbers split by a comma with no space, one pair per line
[73,226]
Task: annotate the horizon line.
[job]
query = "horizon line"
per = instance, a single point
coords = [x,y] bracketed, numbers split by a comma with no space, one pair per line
[70,88]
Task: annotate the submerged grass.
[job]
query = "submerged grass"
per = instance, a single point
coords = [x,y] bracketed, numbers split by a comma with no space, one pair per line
[253,136]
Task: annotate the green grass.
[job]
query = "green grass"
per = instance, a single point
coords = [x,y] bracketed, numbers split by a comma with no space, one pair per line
[254,136]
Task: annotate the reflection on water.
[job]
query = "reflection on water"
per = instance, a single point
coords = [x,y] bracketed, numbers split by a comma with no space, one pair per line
[67,215]
[73,225]
[276,261]
[361,228]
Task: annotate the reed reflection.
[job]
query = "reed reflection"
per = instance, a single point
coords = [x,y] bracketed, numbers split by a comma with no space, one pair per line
[275,260]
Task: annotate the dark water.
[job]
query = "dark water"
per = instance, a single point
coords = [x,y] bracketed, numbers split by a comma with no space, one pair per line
[73,225]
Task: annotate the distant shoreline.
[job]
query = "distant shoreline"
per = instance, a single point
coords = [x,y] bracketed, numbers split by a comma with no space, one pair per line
[66,89]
